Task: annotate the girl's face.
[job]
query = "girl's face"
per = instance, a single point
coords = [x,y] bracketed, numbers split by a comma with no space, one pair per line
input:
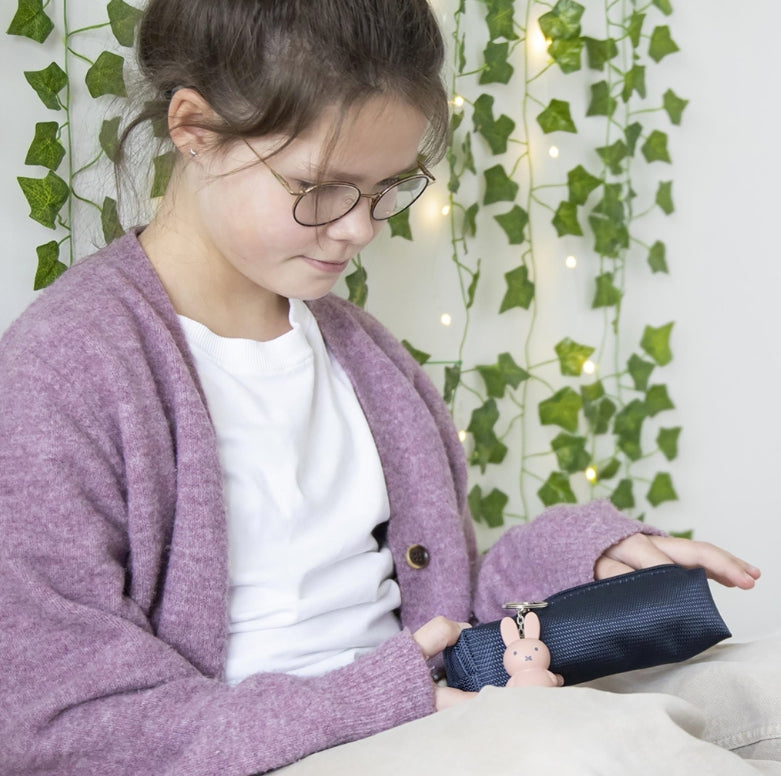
[244,216]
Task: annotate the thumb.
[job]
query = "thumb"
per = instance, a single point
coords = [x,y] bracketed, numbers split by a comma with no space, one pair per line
[437,634]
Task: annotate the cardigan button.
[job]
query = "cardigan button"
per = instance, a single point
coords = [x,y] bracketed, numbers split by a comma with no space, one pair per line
[418,557]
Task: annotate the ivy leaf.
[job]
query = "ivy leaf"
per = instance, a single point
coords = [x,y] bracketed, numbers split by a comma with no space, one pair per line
[563,21]
[357,286]
[657,400]
[561,409]
[656,342]
[498,186]
[597,407]
[664,6]
[31,21]
[566,53]
[470,292]
[661,44]
[657,257]
[514,224]
[48,83]
[664,197]
[497,68]
[661,490]
[488,448]
[611,205]
[674,105]
[635,28]
[632,133]
[109,220]
[602,103]
[46,196]
[556,118]
[565,219]
[105,76]
[655,147]
[500,19]
[109,137]
[496,132]
[609,470]
[469,225]
[498,376]
[667,439]
[634,81]
[613,155]
[400,226]
[452,381]
[469,159]
[520,290]
[628,425]
[609,237]
[164,166]
[607,295]
[556,490]
[420,356]
[622,497]
[580,183]
[123,18]
[640,371]
[600,52]
[572,356]
[488,509]
[49,265]
[46,149]
[571,452]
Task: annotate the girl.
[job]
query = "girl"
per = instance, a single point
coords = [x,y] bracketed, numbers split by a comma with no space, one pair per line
[233,508]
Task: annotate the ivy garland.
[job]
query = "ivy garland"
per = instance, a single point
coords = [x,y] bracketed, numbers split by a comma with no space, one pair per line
[595,425]
[52,198]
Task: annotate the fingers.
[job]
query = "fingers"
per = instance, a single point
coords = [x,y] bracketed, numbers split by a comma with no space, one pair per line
[641,551]
[437,634]
[445,697]
[607,567]
[720,565]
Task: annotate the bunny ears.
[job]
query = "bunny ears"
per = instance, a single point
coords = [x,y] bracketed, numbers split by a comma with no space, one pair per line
[509,630]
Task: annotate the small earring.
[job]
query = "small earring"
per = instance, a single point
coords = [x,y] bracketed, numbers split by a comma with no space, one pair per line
[193,152]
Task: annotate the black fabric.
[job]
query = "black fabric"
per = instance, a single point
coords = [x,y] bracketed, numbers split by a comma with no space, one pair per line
[658,615]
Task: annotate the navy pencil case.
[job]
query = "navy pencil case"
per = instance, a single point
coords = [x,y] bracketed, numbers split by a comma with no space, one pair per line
[658,615]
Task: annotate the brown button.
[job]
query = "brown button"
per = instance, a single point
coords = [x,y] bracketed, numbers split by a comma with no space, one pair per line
[418,557]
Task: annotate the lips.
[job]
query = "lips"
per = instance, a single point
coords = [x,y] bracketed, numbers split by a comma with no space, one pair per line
[334,267]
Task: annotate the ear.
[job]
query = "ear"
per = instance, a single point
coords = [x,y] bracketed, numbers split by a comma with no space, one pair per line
[186,111]
[531,626]
[509,631]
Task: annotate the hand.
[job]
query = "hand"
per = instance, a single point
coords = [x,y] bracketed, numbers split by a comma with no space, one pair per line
[641,551]
[432,638]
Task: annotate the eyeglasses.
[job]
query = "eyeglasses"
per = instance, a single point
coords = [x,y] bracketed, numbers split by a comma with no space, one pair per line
[324,203]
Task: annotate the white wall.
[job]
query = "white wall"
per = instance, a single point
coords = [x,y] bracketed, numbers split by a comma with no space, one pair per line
[721,291]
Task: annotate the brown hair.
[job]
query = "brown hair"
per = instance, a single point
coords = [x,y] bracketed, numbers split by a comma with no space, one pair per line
[272,66]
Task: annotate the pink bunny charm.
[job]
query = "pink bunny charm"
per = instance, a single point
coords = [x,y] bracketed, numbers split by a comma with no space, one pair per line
[526,659]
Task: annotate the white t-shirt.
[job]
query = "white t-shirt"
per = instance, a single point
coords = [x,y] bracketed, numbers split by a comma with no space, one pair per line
[310,589]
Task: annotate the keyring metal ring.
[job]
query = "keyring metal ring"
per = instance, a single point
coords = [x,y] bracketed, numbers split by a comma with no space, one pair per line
[525,606]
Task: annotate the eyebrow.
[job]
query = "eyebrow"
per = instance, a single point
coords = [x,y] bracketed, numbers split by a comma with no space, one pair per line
[338,175]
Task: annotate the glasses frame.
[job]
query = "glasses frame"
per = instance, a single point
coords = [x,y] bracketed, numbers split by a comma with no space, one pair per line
[373,198]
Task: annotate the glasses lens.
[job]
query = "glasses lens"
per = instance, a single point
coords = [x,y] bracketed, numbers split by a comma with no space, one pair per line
[326,203]
[399,197]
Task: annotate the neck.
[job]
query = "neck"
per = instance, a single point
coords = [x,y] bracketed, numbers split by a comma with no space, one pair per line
[208,290]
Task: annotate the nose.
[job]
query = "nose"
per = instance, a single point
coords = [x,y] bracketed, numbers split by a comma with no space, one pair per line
[357,227]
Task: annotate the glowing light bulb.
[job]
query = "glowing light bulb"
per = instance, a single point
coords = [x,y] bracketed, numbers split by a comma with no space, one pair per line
[589,367]
[458,101]
[462,435]
[446,210]
[571,262]
[553,152]
[446,319]
[591,474]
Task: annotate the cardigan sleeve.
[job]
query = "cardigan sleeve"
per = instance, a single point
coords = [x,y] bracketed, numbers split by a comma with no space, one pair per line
[87,684]
[554,551]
